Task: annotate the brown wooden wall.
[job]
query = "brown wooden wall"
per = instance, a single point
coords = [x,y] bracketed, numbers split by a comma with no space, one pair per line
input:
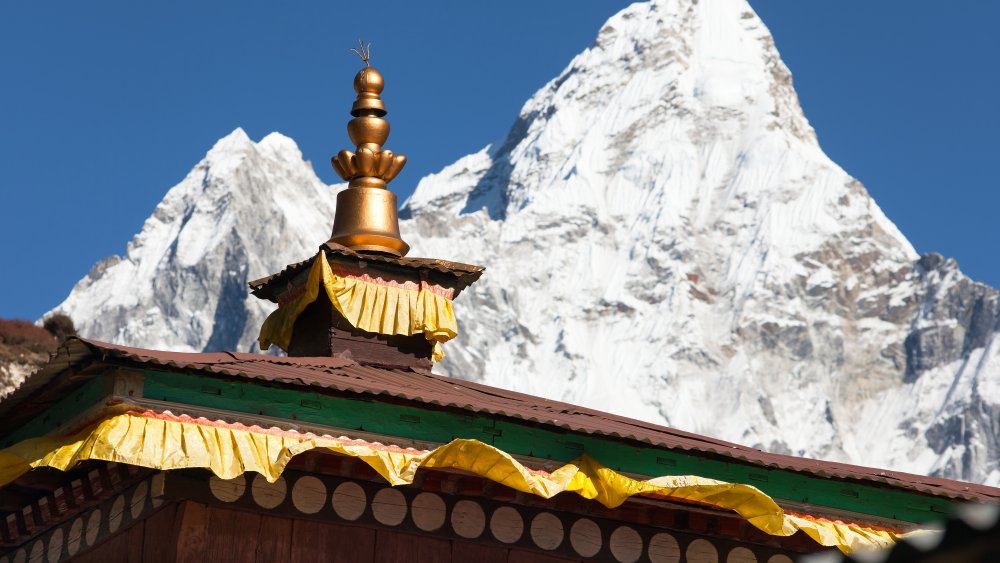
[193,532]
[144,540]
[194,516]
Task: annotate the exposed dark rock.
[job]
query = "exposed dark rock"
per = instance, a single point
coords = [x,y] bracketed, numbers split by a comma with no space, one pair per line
[956,316]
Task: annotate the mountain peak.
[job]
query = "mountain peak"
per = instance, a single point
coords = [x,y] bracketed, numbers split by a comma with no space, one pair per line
[280,144]
[236,141]
[245,211]
[666,239]
[659,76]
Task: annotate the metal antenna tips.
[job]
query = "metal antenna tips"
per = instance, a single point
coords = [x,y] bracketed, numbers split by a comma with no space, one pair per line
[364,53]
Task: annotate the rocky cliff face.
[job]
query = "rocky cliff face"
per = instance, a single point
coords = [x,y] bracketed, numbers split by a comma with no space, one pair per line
[664,239]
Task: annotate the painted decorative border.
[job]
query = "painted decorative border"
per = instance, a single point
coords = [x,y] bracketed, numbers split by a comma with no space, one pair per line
[90,527]
[76,496]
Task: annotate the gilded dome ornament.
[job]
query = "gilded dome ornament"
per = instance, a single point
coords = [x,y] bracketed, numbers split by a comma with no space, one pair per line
[366,218]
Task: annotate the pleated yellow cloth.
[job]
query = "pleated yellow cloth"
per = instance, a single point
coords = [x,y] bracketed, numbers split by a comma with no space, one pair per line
[373,305]
[165,441]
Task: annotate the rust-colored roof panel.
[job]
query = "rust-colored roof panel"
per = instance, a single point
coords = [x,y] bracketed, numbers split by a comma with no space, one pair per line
[422,387]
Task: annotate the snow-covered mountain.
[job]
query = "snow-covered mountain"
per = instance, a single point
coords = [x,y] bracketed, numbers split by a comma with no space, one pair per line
[664,238]
[245,211]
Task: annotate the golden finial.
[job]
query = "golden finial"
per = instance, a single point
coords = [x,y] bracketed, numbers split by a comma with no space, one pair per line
[365,54]
[366,217]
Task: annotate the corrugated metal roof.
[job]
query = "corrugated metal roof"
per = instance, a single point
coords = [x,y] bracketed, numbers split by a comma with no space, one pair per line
[464,274]
[426,388]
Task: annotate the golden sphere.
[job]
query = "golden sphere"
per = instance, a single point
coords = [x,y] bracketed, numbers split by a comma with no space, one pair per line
[365,129]
[369,81]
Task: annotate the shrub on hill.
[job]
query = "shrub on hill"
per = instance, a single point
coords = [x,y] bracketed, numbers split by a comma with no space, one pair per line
[16,333]
[61,326]
[22,342]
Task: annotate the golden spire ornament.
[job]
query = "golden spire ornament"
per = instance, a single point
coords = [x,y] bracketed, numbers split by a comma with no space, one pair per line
[366,219]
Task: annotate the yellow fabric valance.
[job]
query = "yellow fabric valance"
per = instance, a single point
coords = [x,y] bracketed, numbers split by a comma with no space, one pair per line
[370,304]
[165,441]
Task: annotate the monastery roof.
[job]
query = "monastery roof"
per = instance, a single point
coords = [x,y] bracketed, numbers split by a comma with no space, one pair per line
[465,275]
[417,387]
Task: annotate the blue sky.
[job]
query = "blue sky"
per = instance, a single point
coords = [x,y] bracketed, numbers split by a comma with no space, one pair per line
[107,105]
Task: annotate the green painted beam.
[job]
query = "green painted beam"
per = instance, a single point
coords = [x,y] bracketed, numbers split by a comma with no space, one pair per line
[88,395]
[438,425]
[628,457]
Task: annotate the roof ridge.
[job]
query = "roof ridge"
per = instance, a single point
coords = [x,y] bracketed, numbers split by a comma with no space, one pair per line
[437,391]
